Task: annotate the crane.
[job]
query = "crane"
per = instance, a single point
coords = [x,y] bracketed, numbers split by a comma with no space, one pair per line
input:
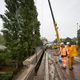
[55,24]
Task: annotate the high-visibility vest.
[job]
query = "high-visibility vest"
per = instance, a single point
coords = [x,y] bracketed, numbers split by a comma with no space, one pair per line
[68,49]
[63,51]
[71,51]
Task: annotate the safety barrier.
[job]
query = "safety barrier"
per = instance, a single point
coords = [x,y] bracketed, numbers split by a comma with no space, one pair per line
[31,65]
[46,77]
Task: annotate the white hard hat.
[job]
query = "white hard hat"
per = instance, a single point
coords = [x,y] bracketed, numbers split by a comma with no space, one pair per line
[62,43]
[68,43]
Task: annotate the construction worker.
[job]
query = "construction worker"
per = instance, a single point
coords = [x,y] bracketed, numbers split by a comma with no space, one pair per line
[71,51]
[63,54]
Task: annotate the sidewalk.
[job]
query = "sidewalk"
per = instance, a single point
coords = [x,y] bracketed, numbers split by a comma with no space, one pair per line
[77,58]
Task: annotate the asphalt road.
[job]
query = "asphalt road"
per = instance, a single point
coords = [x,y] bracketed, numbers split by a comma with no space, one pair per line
[70,74]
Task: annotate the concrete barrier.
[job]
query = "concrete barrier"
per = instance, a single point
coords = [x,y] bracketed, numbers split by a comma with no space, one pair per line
[29,72]
[26,74]
[46,77]
[32,59]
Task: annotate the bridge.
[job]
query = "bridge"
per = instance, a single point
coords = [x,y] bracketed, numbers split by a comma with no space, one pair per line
[23,32]
[43,66]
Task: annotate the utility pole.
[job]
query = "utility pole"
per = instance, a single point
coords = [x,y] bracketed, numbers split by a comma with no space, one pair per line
[55,24]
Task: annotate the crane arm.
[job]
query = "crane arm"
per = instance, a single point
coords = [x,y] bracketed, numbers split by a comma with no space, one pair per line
[55,24]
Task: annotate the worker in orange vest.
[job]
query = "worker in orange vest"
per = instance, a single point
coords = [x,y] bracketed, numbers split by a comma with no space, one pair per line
[71,50]
[63,54]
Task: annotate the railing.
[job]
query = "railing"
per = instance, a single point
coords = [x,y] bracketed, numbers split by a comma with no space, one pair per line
[31,66]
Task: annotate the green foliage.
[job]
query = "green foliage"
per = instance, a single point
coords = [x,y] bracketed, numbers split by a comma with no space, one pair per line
[55,41]
[67,40]
[78,36]
[2,41]
[19,21]
[5,59]
[72,41]
[6,76]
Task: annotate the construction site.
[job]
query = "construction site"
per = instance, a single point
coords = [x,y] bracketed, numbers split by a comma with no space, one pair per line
[28,51]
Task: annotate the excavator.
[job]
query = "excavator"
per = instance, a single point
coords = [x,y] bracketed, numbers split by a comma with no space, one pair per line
[56,45]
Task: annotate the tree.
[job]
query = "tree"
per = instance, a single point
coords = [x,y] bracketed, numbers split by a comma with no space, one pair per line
[19,20]
[71,40]
[2,41]
[78,36]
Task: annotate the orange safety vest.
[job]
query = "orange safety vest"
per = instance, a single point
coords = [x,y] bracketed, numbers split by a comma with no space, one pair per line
[63,51]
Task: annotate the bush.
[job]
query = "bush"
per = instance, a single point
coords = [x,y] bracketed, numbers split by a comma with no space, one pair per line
[6,76]
[4,59]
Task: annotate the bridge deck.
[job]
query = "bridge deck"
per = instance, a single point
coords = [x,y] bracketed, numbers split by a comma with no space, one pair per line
[41,71]
[68,74]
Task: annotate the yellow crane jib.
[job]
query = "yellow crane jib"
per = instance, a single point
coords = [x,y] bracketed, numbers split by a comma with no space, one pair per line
[55,25]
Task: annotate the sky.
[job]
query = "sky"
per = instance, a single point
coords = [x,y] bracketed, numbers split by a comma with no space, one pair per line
[66,13]
[2,10]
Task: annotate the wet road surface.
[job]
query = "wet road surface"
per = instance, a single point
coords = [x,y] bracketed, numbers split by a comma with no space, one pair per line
[41,71]
[70,74]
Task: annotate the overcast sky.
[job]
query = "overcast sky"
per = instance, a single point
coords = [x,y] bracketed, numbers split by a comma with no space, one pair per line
[66,12]
[2,10]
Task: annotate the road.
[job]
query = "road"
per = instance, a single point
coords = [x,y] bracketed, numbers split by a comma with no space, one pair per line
[41,71]
[68,74]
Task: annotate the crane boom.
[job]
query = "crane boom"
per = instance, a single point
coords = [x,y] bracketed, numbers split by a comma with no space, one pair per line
[55,24]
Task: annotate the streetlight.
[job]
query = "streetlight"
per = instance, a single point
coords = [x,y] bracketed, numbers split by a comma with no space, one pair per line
[34,43]
[35,49]
[33,31]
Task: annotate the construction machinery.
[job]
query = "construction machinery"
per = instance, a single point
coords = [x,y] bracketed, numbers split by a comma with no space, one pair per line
[55,26]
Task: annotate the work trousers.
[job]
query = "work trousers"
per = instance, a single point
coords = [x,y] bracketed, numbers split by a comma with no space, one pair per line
[70,62]
[64,61]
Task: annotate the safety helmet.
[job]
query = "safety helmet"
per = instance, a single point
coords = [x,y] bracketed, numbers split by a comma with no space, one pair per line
[68,43]
[62,43]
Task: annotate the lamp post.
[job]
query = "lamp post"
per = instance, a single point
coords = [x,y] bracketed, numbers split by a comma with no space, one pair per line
[35,50]
[34,43]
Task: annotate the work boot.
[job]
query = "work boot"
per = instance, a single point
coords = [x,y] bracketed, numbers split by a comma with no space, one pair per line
[71,68]
[63,67]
